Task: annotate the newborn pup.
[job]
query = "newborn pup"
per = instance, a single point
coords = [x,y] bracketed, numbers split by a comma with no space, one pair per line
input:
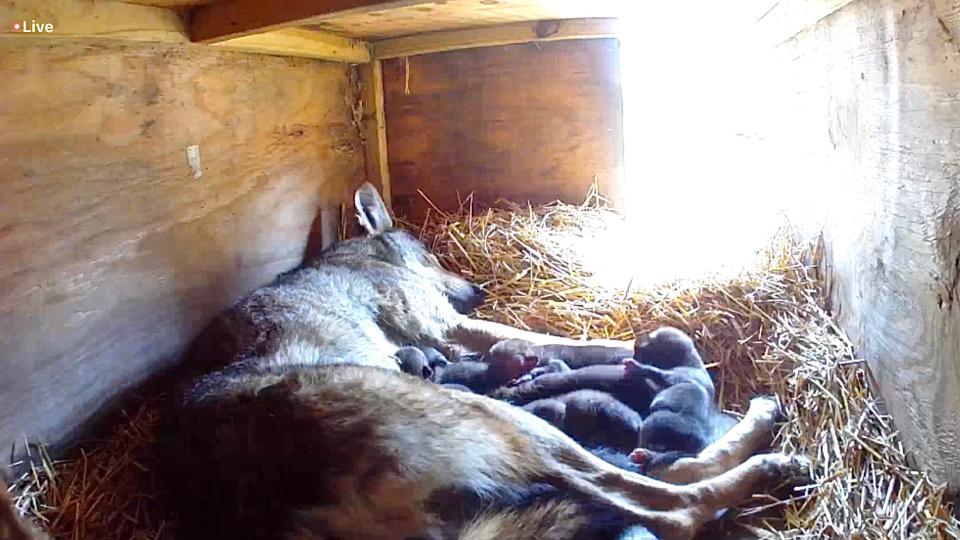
[424,363]
[554,365]
[660,379]
[593,419]
[635,391]
[506,361]
[680,424]
[435,359]
[667,348]
[412,360]
[666,357]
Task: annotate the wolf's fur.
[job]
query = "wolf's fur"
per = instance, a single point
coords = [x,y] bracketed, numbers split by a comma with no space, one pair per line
[359,302]
[12,526]
[357,452]
[311,431]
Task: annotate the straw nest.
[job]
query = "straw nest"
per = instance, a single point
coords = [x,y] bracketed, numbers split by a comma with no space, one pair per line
[765,330]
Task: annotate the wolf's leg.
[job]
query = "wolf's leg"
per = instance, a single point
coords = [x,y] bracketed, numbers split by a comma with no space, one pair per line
[380,444]
[479,336]
[501,447]
[755,431]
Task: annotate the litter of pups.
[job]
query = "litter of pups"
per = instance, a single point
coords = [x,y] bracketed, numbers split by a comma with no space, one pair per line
[764,331]
[600,406]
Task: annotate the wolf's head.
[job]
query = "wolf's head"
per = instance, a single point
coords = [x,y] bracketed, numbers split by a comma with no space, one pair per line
[392,245]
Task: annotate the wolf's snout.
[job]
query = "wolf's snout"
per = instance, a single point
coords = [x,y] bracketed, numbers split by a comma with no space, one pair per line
[479,294]
[467,298]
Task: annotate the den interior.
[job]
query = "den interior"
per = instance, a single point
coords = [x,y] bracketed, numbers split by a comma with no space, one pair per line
[592,165]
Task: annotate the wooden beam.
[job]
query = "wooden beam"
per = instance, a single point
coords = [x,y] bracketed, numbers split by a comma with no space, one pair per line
[375,128]
[784,19]
[488,36]
[236,18]
[85,18]
[300,42]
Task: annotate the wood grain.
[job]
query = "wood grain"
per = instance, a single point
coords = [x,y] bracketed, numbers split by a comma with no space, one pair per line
[237,18]
[171,3]
[868,124]
[302,43]
[397,19]
[85,18]
[370,19]
[112,255]
[375,129]
[533,122]
[489,36]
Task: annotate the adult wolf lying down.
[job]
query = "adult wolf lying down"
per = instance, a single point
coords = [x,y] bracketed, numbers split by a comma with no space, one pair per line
[305,428]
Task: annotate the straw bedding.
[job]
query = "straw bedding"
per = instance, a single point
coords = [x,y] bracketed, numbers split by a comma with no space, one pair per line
[764,330]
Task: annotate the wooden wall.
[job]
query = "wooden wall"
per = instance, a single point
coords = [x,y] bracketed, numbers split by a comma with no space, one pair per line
[533,122]
[869,122]
[112,253]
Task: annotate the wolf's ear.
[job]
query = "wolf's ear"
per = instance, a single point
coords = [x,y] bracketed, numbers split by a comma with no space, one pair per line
[371,212]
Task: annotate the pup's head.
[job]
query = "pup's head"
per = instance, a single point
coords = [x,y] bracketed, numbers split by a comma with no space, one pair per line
[413,361]
[511,358]
[666,348]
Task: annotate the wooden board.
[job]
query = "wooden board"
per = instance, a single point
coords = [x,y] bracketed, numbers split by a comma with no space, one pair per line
[370,19]
[375,128]
[489,36]
[867,125]
[171,3]
[302,43]
[535,121]
[113,254]
[80,18]
[418,17]
[779,20]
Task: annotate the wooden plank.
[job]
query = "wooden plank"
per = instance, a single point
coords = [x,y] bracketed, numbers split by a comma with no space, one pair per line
[459,122]
[137,253]
[236,18]
[366,19]
[375,129]
[302,43]
[780,20]
[523,32]
[863,119]
[405,20]
[171,3]
[86,18]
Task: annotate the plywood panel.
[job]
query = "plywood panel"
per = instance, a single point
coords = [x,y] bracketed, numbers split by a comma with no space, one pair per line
[869,119]
[113,250]
[534,121]
[370,19]
[416,17]
[300,42]
[83,18]
[489,36]
[171,3]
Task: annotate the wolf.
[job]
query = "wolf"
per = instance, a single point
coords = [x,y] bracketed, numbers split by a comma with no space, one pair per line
[299,423]
[12,526]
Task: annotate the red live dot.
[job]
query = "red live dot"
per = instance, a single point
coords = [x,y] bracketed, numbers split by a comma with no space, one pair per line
[16,26]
